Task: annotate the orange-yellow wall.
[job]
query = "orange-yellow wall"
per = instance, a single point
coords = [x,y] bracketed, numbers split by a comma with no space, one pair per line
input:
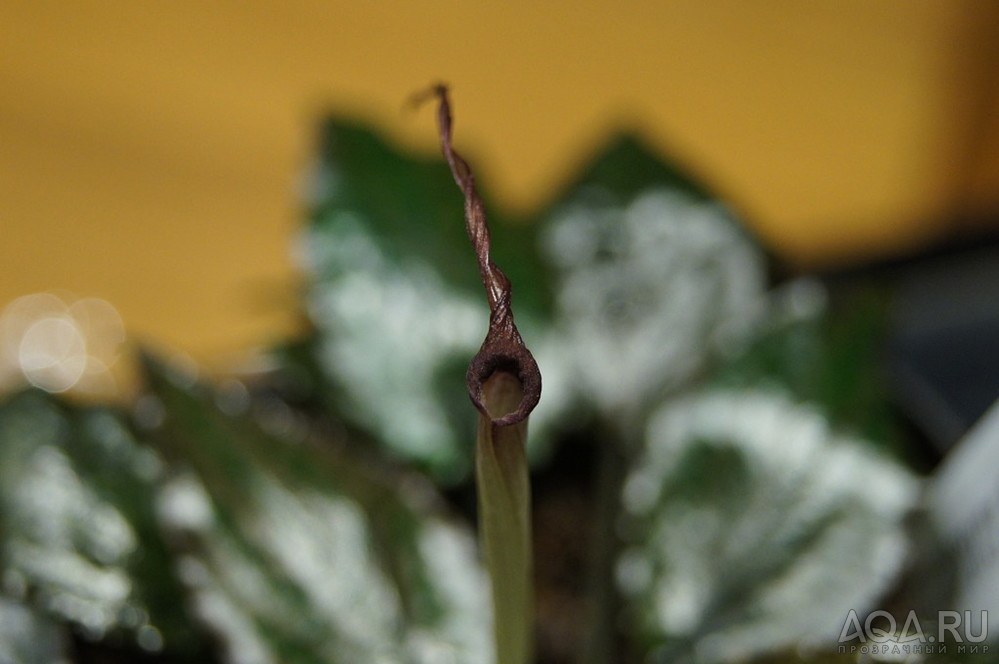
[149,151]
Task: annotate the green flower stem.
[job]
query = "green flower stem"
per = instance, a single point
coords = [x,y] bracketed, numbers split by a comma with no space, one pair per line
[505,518]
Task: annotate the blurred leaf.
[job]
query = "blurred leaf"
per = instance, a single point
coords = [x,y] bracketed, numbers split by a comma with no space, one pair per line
[625,168]
[654,282]
[653,277]
[79,533]
[414,210]
[29,637]
[756,528]
[296,553]
[827,356]
[409,205]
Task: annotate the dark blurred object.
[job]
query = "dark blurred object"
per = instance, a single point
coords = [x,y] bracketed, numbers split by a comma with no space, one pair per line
[942,337]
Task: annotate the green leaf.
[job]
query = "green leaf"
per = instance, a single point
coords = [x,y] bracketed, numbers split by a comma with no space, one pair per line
[653,280]
[409,205]
[827,356]
[626,168]
[295,552]
[755,528]
[80,539]
[27,636]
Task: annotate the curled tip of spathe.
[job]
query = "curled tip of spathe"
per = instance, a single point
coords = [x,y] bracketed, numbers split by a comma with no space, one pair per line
[503,353]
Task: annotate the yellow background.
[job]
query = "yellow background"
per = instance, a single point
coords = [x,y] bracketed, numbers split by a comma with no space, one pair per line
[150,152]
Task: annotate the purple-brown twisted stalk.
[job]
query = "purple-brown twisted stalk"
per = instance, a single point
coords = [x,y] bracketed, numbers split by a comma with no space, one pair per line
[503,349]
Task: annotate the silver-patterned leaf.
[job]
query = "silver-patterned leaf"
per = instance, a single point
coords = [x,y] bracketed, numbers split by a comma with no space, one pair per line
[756,527]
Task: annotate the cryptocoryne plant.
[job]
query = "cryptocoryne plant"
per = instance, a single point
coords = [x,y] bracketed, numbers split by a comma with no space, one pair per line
[504,383]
